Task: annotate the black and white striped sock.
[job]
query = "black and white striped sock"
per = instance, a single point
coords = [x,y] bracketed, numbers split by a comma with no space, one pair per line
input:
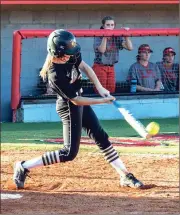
[47,159]
[110,154]
[51,158]
[112,157]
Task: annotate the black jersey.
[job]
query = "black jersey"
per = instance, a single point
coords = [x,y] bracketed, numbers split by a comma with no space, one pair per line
[65,79]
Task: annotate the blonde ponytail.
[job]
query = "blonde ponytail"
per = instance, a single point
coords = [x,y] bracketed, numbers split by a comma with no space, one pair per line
[44,70]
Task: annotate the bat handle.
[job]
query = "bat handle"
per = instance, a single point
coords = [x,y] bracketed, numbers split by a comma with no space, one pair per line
[116,104]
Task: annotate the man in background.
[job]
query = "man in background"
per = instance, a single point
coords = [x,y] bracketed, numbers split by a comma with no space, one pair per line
[146,74]
[169,70]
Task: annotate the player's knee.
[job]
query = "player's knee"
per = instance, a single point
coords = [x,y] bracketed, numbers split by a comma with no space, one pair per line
[72,155]
[68,153]
[100,136]
[58,156]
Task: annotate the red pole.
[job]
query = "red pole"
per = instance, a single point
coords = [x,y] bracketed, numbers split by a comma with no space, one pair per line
[92,2]
[97,32]
[16,70]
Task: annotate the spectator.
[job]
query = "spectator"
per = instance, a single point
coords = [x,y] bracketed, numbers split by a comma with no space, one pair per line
[107,54]
[146,74]
[169,70]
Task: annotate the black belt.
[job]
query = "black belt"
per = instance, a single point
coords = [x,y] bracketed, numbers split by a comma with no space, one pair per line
[105,64]
[108,65]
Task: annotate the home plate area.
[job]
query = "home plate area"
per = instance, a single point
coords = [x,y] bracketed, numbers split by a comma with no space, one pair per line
[10,196]
[161,139]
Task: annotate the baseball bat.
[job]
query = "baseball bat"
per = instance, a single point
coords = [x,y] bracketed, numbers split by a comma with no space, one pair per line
[133,122]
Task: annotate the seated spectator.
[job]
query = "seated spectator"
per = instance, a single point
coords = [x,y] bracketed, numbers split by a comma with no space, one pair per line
[169,70]
[146,74]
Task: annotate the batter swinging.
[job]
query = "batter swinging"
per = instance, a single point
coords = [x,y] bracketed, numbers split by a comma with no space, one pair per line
[62,68]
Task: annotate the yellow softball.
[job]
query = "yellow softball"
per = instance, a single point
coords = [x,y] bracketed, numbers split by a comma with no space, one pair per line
[153,128]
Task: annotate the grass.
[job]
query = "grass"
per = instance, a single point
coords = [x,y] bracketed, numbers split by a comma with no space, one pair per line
[31,132]
[27,136]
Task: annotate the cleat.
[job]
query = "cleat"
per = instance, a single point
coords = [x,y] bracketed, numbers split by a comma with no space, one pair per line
[130,180]
[20,174]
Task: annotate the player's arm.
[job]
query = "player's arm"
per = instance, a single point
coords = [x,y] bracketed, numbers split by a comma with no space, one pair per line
[177,74]
[84,67]
[82,101]
[127,44]
[102,47]
[158,81]
[133,75]
[158,85]
[66,90]
[146,89]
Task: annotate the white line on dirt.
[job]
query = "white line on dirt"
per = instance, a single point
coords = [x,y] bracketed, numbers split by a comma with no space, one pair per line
[10,196]
[141,155]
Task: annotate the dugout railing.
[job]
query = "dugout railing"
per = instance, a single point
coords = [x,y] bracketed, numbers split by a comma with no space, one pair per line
[86,2]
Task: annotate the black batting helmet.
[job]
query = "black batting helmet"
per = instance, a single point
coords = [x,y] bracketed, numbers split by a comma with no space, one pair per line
[61,42]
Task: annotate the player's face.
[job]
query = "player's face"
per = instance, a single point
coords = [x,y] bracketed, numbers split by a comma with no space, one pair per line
[169,58]
[109,24]
[145,55]
[62,60]
[65,58]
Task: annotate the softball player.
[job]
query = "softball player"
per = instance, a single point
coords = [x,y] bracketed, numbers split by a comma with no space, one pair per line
[62,67]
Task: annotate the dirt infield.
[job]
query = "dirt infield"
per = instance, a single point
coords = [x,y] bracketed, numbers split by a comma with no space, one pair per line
[88,185]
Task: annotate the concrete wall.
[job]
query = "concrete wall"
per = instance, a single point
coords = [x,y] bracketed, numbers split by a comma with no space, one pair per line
[141,108]
[69,17]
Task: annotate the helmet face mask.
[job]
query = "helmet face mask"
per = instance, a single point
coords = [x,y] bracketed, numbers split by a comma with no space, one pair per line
[61,42]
